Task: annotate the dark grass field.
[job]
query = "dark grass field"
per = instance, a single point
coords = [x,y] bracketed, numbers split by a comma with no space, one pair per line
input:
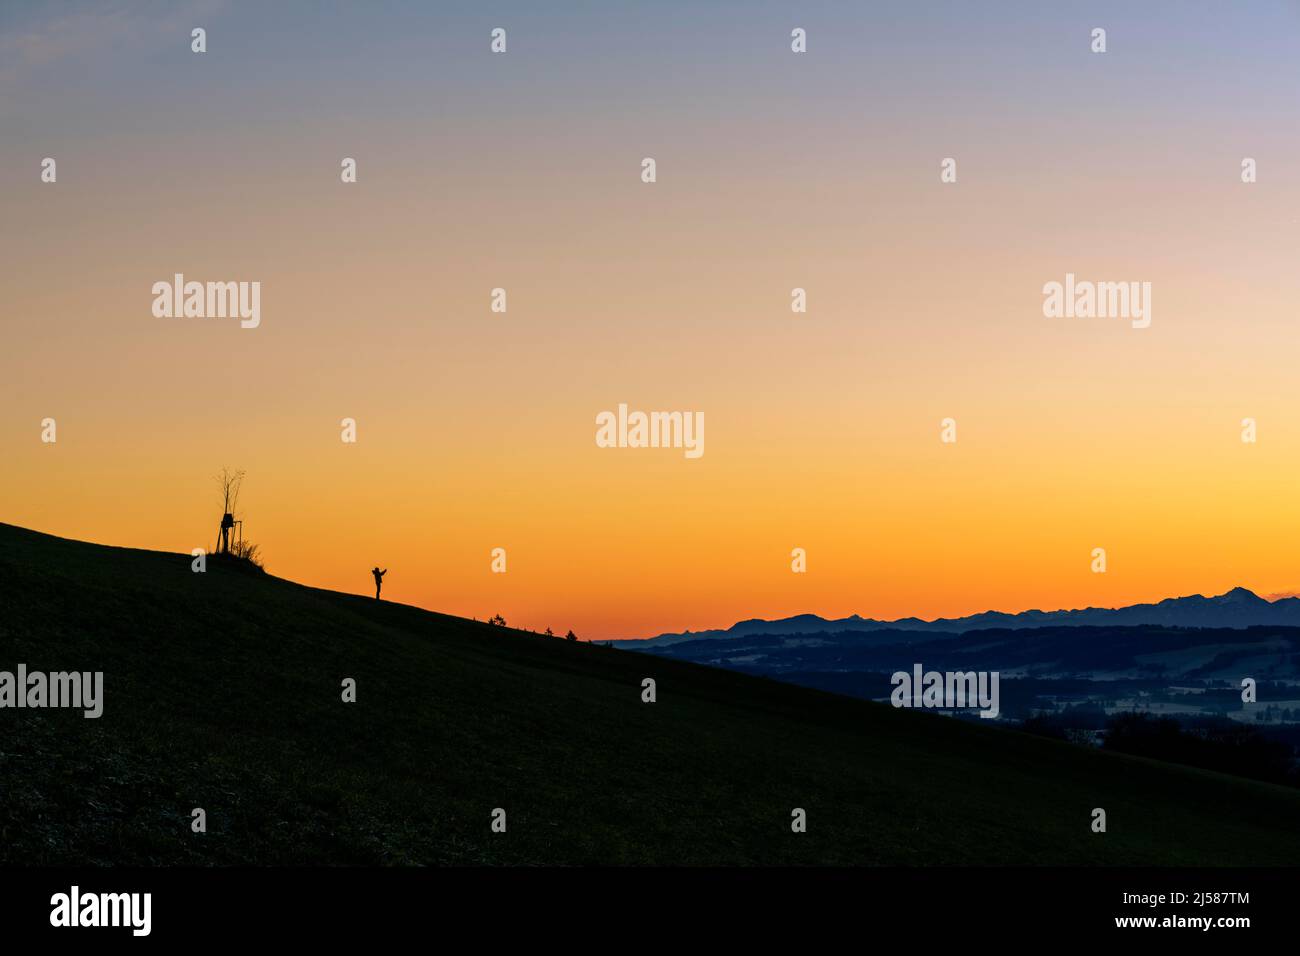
[222,691]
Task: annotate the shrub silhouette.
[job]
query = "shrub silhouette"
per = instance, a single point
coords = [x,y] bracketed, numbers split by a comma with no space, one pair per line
[247,551]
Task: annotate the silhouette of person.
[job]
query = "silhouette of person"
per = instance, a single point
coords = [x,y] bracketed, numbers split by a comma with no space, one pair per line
[379,579]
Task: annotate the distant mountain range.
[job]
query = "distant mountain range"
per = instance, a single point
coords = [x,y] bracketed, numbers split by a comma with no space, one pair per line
[1238,608]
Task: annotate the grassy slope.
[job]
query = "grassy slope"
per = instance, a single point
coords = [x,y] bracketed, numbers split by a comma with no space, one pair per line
[453,718]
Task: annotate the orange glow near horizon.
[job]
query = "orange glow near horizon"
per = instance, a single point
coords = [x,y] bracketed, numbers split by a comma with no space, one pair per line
[476,430]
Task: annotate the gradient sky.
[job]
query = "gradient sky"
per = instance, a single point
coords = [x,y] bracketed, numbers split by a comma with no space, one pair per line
[775,170]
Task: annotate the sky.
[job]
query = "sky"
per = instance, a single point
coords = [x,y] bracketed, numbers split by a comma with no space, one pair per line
[775,170]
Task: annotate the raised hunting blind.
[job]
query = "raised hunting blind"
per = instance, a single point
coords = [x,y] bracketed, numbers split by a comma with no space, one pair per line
[229,524]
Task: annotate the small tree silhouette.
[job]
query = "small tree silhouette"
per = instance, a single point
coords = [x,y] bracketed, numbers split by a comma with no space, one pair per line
[570,636]
[229,482]
[498,620]
[549,632]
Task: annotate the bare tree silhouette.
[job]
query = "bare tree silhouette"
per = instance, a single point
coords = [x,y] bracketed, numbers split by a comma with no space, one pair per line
[229,483]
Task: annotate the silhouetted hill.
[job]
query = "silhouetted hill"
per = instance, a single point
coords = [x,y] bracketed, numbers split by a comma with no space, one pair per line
[222,691]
